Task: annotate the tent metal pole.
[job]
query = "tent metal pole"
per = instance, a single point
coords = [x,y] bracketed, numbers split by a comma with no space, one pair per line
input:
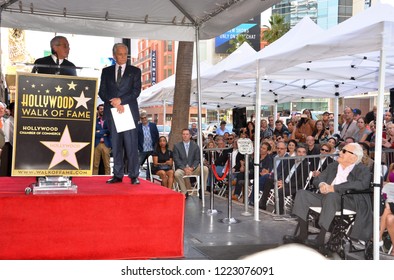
[199,137]
[336,114]
[378,154]
[257,144]
[164,114]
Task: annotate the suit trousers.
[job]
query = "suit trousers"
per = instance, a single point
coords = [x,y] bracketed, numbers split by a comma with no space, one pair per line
[102,152]
[179,173]
[330,203]
[125,150]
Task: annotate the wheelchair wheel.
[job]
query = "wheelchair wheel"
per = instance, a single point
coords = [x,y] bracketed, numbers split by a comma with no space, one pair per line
[368,252]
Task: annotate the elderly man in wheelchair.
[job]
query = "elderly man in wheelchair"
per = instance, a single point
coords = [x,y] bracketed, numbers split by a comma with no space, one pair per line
[340,177]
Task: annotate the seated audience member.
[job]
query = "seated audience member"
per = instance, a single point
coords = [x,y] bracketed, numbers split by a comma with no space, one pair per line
[265,166]
[320,133]
[333,143]
[187,160]
[230,140]
[362,131]
[265,131]
[249,130]
[324,161]
[280,130]
[163,163]
[221,156]
[370,140]
[209,138]
[347,173]
[294,177]
[292,147]
[312,149]
[208,161]
[387,223]
[388,139]
[390,174]
[367,160]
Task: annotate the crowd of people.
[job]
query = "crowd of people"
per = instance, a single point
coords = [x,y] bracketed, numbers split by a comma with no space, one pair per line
[305,157]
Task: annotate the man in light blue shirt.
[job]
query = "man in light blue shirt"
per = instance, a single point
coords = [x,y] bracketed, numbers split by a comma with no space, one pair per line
[222,129]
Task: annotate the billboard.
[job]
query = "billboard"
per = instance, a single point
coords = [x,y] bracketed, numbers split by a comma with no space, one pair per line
[250,29]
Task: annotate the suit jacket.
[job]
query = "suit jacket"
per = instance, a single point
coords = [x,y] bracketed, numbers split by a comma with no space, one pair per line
[180,158]
[298,179]
[46,65]
[128,90]
[358,179]
[154,134]
[100,131]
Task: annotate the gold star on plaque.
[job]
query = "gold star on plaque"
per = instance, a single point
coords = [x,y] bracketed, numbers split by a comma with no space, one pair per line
[58,89]
[72,85]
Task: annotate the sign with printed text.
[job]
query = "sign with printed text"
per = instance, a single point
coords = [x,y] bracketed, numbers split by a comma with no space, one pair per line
[245,146]
[54,125]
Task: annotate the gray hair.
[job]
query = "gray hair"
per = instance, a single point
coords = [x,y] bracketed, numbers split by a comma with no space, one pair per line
[117,45]
[56,42]
[358,151]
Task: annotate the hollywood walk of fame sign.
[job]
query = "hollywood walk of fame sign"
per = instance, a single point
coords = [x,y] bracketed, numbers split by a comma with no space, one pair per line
[54,125]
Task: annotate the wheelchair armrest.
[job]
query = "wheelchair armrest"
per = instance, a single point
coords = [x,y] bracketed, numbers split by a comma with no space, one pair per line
[368,191]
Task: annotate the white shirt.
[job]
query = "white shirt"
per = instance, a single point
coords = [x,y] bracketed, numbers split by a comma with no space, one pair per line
[342,174]
[116,70]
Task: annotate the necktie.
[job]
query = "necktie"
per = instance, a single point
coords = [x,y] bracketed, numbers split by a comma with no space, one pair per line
[187,149]
[119,76]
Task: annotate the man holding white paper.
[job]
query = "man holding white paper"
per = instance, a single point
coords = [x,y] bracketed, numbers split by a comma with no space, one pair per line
[120,87]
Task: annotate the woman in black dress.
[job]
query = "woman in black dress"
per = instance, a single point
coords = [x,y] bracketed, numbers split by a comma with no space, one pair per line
[163,163]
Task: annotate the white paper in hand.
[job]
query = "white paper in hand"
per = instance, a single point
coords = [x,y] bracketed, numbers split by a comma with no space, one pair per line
[123,121]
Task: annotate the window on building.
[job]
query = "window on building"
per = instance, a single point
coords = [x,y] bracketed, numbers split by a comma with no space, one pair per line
[168,59]
[169,46]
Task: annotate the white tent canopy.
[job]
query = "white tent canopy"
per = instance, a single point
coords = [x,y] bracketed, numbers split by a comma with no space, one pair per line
[219,95]
[152,19]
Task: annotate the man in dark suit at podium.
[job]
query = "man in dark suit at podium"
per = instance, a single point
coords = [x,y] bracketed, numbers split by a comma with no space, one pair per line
[121,85]
[56,63]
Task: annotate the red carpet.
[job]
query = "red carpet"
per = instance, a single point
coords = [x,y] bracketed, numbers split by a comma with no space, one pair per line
[102,221]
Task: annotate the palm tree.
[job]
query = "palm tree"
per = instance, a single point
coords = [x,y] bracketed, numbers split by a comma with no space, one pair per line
[237,42]
[183,81]
[278,28]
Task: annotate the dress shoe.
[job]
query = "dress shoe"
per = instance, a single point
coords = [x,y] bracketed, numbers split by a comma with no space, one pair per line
[292,239]
[114,180]
[135,181]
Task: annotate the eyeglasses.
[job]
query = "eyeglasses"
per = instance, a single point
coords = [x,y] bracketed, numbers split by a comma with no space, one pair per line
[347,151]
[142,118]
[64,45]
[324,150]
[230,138]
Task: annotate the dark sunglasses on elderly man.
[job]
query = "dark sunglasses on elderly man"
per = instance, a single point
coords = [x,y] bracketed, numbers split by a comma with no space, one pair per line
[347,151]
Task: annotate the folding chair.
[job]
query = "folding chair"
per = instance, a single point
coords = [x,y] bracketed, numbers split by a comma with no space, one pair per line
[153,177]
[195,185]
